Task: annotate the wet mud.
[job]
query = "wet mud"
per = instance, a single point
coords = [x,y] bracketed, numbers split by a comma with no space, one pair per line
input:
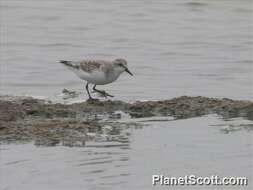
[49,124]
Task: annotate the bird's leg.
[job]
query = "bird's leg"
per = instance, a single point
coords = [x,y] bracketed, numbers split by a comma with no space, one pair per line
[104,93]
[87,89]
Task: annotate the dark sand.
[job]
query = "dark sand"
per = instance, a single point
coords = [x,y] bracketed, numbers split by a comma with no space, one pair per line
[26,118]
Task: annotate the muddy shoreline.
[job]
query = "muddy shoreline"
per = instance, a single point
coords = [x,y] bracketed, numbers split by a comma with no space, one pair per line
[26,118]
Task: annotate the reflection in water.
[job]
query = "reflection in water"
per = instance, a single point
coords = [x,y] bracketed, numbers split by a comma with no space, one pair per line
[113,134]
[232,128]
[108,131]
[113,159]
[235,124]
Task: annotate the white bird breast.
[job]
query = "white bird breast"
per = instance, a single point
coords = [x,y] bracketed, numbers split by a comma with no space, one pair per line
[97,77]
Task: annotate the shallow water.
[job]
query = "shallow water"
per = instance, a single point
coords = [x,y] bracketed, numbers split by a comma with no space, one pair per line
[202,146]
[173,47]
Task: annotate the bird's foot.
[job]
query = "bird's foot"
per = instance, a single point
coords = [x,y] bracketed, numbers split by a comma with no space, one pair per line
[92,100]
[104,93]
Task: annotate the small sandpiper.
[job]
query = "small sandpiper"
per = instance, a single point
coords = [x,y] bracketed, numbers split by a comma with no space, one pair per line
[97,72]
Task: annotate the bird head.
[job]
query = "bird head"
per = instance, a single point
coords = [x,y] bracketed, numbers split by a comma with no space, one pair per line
[121,66]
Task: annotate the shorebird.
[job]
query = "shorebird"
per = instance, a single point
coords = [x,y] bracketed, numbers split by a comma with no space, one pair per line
[97,72]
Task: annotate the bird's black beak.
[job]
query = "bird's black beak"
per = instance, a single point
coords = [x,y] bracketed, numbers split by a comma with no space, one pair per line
[129,72]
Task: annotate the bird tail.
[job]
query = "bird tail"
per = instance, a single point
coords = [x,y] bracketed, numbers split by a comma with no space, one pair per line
[69,64]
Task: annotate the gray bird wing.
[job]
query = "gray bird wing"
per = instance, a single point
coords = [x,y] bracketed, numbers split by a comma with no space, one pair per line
[91,65]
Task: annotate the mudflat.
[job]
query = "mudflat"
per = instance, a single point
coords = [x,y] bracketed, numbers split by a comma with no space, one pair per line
[27,118]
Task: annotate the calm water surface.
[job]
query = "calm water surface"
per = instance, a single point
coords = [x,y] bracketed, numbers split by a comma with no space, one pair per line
[202,146]
[173,47]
